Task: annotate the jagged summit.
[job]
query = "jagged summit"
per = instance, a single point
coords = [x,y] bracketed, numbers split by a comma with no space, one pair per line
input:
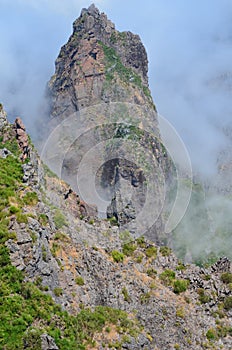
[100,66]
[92,10]
[95,55]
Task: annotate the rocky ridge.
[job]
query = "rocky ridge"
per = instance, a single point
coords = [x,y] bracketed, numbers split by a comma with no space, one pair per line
[82,262]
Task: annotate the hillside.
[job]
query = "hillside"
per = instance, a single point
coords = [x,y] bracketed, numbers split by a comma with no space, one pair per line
[71,278]
[72,281]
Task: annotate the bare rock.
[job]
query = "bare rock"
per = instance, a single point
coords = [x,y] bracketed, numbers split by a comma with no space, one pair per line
[48,343]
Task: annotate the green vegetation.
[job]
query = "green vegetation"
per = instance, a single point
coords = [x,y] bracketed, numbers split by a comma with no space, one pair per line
[151,252]
[211,334]
[203,297]
[180,267]
[118,36]
[144,298]
[126,294]
[113,220]
[48,172]
[58,291]
[152,273]
[21,218]
[117,256]
[128,248]
[115,65]
[59,219]
[26,312]
[221,331]
[227,303]
[30,198]
[43,219]
[180,312]
[12,146]
[60,236]
[226,277]
[167,277]
[165,251]
[141,242]
[180,286]
[79,281]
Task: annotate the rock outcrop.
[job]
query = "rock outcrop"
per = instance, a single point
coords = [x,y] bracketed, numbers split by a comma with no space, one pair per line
[100,87]
[84,262]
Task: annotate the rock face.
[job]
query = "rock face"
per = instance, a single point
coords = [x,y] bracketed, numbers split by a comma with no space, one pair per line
[83,75]
[3,120]
[100,87]
[84,262]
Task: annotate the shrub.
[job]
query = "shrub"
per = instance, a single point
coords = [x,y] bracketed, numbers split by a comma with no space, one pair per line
[113,220]
[226,277]
[58,291]
[152,273]
[128,248]
[13,209]
[180,267]
[167,277]
[126,294]
[30,198]
[151,252]
[43,219]
[141,242]
[180,286]
[165,251]
[203,298]
[211,334]
[117,256]
[21,218]
[54,249]
[228,303]
[60,236]
[139,258]
[79,281]
[180,312]
[44,253]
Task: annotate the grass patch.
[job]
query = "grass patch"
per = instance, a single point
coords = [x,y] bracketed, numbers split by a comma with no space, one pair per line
[117,256]
[127,75]
[151,252]
[180,286]
[59,219]
[128,248]
[79,281]
[167,277]
[226,277]
[30,198]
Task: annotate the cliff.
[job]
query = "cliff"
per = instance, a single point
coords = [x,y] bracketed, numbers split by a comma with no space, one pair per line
[102,106]
[72,280]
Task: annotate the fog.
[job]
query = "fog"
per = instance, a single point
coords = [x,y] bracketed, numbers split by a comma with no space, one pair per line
[189,47]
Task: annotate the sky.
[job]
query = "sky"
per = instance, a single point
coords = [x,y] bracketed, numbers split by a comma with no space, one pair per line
[189,46]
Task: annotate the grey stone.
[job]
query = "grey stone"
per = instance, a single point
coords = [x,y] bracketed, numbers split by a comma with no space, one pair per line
[48,343]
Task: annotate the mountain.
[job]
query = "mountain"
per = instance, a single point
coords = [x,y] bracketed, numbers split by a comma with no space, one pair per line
[102,107]
[72,280]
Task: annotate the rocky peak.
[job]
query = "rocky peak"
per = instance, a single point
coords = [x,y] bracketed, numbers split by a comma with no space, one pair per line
[101,78]
[95,54]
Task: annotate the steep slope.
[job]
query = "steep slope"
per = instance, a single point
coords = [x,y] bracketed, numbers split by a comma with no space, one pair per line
[140,296]
[101,102]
